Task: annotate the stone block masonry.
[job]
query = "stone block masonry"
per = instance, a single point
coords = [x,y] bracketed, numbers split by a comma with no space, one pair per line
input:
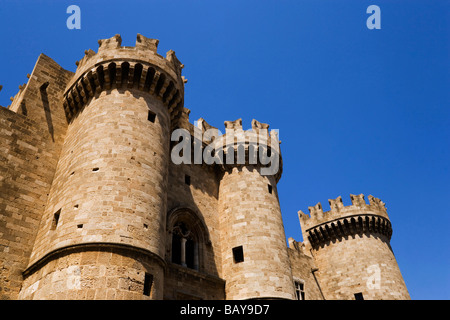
[27,165]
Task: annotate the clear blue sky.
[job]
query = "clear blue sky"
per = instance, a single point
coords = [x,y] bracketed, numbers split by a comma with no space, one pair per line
[358,110]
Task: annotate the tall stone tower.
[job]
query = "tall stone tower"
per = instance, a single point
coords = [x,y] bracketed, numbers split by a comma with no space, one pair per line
[255,262]
[108,201]
[351,248]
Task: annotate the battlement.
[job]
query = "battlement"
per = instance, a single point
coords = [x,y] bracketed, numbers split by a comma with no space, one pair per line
[115,66]
[338,210]
[256,146]
[236,147]
[145,50]
[259,134]
[356,218]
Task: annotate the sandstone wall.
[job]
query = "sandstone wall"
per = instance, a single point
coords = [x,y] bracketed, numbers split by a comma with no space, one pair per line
[201,196]
[31,135]
[303,270]
[186,284]
[27,165]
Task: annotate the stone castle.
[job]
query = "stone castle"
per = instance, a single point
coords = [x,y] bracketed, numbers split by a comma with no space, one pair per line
[92,207]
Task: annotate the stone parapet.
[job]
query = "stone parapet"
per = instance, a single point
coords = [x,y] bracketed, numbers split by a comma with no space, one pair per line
[120,67]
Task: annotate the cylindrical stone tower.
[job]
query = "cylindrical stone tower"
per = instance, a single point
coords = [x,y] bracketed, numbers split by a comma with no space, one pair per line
[351,248]
[255,262]
[102,232]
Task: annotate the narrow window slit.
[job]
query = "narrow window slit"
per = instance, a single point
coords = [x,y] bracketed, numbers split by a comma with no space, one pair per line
[238,254]
[151,116]
[55,219]
[148,281]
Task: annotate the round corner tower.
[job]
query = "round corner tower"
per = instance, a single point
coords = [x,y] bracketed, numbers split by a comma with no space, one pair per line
[102,232]
[351,248]
[255,262]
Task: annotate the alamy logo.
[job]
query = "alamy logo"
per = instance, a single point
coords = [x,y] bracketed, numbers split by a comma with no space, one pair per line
[73,281]
[374,280]
[74,20]
[236,146]
[374,20]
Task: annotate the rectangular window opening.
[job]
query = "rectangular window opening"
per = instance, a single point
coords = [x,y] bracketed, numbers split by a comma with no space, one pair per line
[270,188]
[55,219]
[187,180]
[238,254]
[148,281]
[300,290]
[151,116]
[359,296]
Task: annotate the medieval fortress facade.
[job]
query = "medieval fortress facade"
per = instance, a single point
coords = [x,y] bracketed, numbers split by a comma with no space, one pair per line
[100,200]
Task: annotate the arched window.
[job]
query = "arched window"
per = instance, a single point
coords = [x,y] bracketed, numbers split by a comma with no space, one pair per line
[184,246]
[186,237]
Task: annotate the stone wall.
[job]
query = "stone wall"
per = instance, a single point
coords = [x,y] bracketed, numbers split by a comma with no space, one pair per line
[303,270]
[200,195]
[31,135]
[186,284]
[27,164]
[40,99]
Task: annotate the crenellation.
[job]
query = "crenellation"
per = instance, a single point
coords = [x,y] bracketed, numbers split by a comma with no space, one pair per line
[233,125]
[334,236]
[111,43]
[336,205]
[338,210]
[316,212]
[358,200]
[256,125]
[143,43]
[176,64]
[377,203]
